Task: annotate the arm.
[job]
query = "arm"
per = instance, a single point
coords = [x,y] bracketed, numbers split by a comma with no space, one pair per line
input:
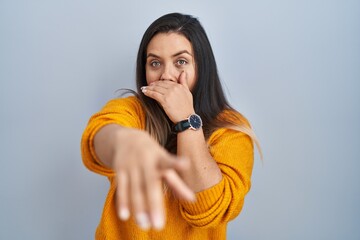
[177,102]
[233,152]
[204,171]
[138,162]
[221,176]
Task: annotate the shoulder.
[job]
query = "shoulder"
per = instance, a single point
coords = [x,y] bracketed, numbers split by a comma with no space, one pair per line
[131,101]
[233,117]
[225,135]
[129,104]
[234,127]
[126,111]
[235,130]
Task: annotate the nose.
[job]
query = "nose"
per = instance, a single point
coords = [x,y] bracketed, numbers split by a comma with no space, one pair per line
[169,73]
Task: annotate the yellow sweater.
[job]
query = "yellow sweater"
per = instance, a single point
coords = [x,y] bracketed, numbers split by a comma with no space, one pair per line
[214,208]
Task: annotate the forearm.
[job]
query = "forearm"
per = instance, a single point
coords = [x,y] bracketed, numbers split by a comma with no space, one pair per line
[204,171]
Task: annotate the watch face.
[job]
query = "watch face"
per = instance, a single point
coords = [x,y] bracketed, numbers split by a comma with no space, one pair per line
[195,121]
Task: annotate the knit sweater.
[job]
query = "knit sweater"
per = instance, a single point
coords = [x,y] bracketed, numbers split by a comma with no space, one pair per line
[207,217]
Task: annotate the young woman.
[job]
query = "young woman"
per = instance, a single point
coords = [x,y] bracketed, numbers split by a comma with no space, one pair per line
[178,157]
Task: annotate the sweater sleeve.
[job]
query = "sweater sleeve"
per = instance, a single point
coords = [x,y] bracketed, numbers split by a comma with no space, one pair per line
[233,152]
[126,112]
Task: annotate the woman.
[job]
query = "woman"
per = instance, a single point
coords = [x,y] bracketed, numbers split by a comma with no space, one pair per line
[178,157]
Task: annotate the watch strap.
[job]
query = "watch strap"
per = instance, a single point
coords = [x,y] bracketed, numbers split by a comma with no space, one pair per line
[182,125]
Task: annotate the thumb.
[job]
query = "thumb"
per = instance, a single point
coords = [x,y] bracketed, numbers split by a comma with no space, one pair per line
[183,79]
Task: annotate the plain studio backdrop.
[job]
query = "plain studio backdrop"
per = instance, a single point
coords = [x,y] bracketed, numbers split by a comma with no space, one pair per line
[291,67]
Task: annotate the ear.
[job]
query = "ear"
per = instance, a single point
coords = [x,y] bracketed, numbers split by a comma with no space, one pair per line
[183,79]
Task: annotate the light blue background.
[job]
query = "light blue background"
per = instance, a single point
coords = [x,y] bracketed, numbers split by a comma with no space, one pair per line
[292,67]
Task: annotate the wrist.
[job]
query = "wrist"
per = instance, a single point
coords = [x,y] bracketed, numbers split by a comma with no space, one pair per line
[192,122]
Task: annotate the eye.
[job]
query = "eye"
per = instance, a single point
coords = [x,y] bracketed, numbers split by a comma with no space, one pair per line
[155,63]
[181,62]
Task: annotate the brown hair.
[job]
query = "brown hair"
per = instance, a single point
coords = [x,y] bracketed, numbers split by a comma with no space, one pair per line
[209,98]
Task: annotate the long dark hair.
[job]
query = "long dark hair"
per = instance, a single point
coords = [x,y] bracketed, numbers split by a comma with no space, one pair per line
[208,95]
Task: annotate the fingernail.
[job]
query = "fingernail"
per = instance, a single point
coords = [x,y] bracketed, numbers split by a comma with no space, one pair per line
[124,214]
[158,222]
[143,89]
[143,221]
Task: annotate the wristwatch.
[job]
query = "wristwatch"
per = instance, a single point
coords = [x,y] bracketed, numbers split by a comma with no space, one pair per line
[193,122]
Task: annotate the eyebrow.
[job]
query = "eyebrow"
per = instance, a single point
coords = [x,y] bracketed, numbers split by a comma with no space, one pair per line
[174,55]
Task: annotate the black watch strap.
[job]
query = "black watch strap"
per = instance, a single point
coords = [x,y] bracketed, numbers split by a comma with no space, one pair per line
[182,125]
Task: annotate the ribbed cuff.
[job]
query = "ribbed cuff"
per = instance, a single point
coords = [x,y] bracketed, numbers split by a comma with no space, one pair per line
[96,165]
[205,200]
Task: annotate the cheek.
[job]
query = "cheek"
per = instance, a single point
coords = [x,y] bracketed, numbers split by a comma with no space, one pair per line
[191,79]
[151,76]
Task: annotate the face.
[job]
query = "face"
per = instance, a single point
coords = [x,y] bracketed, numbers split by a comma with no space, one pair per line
[169,54]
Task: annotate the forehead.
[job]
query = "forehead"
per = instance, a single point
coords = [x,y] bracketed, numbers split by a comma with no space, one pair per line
[169,43]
